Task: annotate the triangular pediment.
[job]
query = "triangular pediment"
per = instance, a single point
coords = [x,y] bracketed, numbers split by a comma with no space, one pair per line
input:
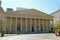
[30,13]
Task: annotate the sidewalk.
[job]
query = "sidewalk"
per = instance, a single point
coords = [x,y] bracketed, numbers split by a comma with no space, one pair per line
[30,37]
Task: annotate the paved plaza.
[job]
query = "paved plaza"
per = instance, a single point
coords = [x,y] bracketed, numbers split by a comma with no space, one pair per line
[31,37]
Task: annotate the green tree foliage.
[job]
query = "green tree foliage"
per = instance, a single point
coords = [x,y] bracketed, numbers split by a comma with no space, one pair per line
[2,34]
[57,25]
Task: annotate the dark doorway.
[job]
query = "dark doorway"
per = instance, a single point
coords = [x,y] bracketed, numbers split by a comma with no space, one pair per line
[41,27]
[51,28]
[33,29]
[18,28]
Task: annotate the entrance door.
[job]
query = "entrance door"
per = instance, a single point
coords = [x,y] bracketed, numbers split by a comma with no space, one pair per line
[33,29]
[41,27]
[18,28]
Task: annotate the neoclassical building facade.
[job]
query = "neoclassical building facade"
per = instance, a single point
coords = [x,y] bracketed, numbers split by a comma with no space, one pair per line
[56,15]
[29,20]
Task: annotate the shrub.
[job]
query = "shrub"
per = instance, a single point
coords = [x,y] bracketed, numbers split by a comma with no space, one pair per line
[57,25]
[2,33]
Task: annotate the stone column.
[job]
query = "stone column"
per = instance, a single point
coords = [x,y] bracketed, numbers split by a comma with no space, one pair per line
[5,25]
[26,24]
[43,25]
[35,25]
[16,25]
[30,24]
[11,24]
[21,24]
[52,24]
[46,25]
[39,24]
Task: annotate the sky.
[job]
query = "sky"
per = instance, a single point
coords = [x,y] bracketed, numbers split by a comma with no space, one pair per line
[47,6]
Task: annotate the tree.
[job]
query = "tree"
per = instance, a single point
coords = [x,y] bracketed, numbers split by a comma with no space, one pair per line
[57,25]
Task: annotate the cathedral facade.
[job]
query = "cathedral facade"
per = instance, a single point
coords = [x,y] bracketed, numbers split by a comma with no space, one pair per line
[29,20]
